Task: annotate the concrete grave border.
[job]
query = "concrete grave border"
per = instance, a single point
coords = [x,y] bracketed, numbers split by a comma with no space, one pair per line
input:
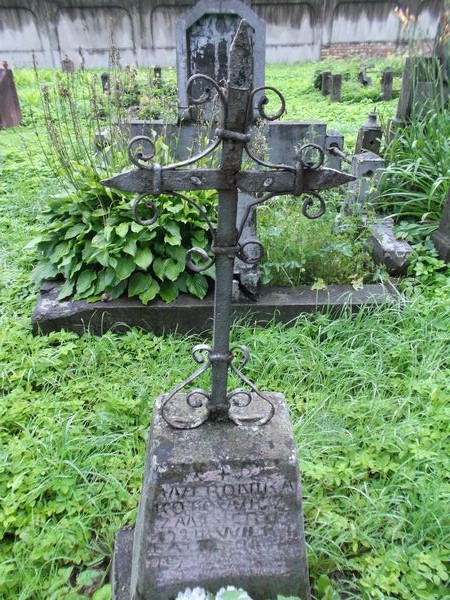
[188,314]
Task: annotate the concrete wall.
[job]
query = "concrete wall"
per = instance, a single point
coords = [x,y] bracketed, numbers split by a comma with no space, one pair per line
[144,30]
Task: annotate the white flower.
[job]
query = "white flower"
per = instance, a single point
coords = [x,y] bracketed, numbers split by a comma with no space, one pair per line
[195,594]
[223,594]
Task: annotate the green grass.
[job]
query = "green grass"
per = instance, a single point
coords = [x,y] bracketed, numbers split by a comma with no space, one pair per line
[304,102]
[368,396]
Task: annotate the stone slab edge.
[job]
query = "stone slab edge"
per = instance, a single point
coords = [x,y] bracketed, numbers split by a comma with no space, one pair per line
[191,315]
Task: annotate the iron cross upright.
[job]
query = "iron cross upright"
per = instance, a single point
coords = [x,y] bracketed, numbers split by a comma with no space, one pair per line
[186,411]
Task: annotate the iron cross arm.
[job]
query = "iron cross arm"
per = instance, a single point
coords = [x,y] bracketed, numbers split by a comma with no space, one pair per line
[157,181]
[248,405]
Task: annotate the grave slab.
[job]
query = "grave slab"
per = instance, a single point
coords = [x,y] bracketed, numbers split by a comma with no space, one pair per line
[192,315]
[220,505]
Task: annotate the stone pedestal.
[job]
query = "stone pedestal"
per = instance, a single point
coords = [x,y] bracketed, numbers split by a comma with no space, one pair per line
[369,135]
[220,505]
[367,168]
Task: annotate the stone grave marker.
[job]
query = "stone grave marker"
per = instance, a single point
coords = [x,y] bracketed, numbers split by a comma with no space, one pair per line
[67,65]
[106,86]
[10,113]
[363,77]
[157,76]
[421,83]
[203,38]
[326,83]
[221,496]
[335,87]
[387,82]
[369,135]
[386,249]
[441,237]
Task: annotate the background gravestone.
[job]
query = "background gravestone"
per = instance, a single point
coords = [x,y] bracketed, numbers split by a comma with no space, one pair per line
[10,113]
[421,86]
[369,135]
[387,82]
[204,35]
[441,237]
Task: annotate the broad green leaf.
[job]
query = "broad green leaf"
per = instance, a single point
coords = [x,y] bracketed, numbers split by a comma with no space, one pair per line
[88,251]
[172,240]
[104,593]
[136,227]
[74,231]
[143,257]
[76,266]
[197,285]
[182,282]
[99,241]
[66,290]
[168,290]
[147,235]
[125,266]
[59,251]
[138,283]
[84,280]
[130,247]
[104,279]
[107,232]
[172,269]
[173,237]
[33,243]
[44,271]
[122,229]
[150,292]
[88,577]
[178,253]
[158,267]
[102,257]
[117,290]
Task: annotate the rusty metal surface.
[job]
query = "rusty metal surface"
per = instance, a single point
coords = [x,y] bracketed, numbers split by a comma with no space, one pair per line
[232,137]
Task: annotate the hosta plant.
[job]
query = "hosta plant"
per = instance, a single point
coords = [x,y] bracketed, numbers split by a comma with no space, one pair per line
[91,242]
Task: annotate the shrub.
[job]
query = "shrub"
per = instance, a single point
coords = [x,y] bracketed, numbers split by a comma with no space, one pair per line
[89,239]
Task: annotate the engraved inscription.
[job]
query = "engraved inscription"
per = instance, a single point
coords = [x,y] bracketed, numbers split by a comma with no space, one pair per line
[224,516]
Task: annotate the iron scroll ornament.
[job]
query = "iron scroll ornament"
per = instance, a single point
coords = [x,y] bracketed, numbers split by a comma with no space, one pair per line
[243,406]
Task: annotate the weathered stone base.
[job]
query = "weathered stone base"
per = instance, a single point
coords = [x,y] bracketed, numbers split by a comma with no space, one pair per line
[188,314]
[220,505]
[441,241]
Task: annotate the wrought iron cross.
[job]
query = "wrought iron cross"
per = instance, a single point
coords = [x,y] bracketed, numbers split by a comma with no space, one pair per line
[186,411]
